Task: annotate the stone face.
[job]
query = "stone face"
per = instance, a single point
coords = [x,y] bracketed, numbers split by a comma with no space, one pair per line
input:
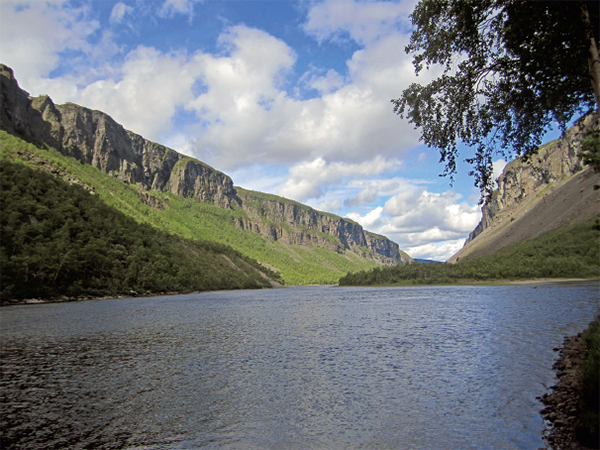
[96,139]
[294,224]
[554,162]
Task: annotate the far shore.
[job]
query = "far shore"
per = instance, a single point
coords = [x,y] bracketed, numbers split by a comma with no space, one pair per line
[552,280]
[65,299]
[533,281]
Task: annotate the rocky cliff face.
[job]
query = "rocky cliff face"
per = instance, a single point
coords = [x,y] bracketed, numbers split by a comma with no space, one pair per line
[553,189]
[96,139]
[553,163]
[292,223]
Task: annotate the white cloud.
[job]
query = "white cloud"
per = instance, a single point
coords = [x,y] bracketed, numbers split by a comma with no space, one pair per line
[436,252]
[119,11]
[325,84]
[497,169]
[364,197]
[172,7]
[424,210]
[329,206]
[311,179]
[415,218]
[245,113]
[249,119]
[33,33]
[249,116]
[145,91]
[364,22]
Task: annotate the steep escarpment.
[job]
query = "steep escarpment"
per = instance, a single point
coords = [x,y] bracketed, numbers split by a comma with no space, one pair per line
[551,190]
[293,223]
[94,138]
[154,172]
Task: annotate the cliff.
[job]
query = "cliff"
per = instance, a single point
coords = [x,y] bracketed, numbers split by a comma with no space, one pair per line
[293,223]
[550,190]
[94,138]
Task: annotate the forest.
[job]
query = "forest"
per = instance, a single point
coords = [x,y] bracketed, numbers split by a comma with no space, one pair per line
[59,240]
[191,219]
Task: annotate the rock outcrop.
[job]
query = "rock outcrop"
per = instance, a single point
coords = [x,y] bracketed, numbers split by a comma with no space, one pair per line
[94,138]
[552,189]
[292,223]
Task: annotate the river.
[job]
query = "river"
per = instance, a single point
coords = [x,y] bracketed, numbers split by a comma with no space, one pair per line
[297,368]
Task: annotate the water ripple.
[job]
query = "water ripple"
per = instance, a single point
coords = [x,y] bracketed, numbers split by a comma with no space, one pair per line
[299,368]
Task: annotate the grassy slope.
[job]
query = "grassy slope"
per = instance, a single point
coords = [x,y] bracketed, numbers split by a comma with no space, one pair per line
[58,240]
[569,252]
[191,219]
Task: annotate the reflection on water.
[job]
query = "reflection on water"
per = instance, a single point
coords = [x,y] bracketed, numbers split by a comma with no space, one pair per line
[317,367]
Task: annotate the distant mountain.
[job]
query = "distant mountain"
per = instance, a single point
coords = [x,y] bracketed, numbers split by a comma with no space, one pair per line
[543,221]
[181,195]
[551,191]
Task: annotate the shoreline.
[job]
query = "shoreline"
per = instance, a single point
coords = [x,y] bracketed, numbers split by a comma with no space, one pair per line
[83,298]
[533,281]
[562,404]
[66,299]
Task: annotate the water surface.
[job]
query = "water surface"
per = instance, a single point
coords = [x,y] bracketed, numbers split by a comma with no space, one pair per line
[296,368]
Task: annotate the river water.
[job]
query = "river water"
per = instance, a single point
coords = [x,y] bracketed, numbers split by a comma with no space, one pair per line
[295,368]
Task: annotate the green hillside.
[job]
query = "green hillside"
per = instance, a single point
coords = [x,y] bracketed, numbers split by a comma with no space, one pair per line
[191,219]
[60,240]
[568,252]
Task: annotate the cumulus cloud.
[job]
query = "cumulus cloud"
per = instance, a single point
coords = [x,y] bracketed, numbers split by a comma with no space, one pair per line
[143,94]
[248,114]
[416,218]
[246,111]
[436,252]
[250,117]
[364,197]
[311,179]
[425,210]
[32,34]
[363,22]
[333,205]
[497,169]
[324,84]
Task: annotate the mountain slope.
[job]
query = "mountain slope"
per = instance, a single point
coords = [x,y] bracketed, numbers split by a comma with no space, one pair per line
[60,241]
[184,196]
[542,222]
[552,191]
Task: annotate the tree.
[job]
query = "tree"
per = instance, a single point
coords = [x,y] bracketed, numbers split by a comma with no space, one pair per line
[510,69]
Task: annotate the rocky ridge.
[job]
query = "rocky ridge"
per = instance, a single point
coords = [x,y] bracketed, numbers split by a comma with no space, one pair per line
[293,223]
[551,189]
[94,138]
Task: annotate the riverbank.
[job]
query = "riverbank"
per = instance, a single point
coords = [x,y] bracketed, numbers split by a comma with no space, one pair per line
[564,406]
[467,282]
[275,285]
[132,294]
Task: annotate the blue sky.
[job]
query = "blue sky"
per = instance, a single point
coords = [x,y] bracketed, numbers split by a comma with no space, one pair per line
[286,97]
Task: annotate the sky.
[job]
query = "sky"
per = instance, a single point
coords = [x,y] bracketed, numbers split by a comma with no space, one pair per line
[286,97]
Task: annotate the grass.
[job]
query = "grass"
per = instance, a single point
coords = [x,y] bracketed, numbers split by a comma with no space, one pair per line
[570,252]
[188,218]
